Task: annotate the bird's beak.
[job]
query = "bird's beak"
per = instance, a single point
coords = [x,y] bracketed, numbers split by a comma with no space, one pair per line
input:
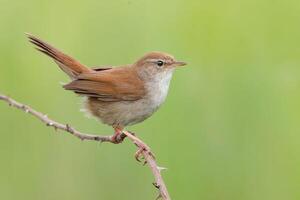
[179,63]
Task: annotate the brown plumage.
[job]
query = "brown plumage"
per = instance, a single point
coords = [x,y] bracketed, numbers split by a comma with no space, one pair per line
[119,96]
[98,82]
[68,64]
[103,84]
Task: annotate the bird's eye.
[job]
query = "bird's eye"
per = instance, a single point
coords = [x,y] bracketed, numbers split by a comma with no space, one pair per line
[160,63]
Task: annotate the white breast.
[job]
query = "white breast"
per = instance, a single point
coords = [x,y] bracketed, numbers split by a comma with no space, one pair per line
[129,113]
[158,88]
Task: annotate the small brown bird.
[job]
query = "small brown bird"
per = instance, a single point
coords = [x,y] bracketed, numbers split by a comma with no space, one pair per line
[119,96]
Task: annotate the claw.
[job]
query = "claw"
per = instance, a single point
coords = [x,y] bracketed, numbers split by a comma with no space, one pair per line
[118,137]
[138,154]
[142,147]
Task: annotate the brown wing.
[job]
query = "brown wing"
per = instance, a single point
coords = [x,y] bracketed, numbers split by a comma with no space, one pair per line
[116,84]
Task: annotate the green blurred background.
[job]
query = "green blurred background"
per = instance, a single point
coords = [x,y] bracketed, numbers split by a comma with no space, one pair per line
[229,129]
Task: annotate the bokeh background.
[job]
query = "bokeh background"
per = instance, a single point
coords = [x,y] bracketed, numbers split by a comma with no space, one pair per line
[229,129]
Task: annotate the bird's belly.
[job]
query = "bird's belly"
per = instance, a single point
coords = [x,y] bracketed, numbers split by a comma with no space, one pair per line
[125,113]
[121,113]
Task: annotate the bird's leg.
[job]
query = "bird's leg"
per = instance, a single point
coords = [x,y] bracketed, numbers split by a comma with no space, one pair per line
[118,137]
[142,147]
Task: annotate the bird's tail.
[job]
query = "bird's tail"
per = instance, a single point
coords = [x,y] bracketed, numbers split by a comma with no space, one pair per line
[68,64]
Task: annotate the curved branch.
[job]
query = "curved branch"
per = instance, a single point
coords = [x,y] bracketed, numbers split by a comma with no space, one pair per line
[142,147]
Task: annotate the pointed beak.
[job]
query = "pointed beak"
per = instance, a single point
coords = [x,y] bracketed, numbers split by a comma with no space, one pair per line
[179,63]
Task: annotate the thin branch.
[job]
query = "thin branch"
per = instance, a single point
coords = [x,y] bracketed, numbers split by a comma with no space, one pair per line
[143,149]
[49,122]
[150,159]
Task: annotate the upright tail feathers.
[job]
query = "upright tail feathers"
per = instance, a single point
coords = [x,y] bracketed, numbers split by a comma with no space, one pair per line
[68,64]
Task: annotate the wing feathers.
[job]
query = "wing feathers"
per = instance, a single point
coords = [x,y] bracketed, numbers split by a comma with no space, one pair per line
[115,84]
[106,84]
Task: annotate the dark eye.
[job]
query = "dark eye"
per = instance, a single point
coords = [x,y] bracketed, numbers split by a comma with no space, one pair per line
[160,63]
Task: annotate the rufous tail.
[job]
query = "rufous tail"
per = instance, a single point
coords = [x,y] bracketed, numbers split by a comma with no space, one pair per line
[68,64]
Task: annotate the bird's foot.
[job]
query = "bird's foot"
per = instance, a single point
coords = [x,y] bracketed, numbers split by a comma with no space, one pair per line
[143,148]
[118,137]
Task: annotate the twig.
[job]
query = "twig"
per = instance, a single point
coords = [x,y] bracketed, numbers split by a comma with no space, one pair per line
[150,159]
[143,148]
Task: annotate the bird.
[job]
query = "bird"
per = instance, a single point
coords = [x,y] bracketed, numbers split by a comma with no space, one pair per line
[118,96]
